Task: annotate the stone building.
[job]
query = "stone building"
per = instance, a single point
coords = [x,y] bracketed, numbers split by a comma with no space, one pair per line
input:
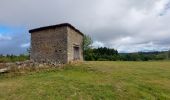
[59,44]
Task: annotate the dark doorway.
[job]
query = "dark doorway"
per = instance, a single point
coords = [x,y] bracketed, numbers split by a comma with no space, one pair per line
[76,53]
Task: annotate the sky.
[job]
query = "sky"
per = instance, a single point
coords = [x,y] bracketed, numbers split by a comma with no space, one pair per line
[126,25]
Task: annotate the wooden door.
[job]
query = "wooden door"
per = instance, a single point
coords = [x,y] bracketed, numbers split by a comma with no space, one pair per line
[76,53]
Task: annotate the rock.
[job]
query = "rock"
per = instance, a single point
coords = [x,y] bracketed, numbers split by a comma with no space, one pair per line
[19,67]
[40,65]
[4,70]
[4,67]
[10,65]
[18,63]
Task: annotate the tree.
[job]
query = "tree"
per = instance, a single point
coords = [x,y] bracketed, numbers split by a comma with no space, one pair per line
[169,54]
[28,51]
[87,42]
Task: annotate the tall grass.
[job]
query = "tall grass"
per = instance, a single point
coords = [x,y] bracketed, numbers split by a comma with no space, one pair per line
[13,58]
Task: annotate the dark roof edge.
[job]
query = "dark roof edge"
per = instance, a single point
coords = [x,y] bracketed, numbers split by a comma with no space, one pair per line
[53,26]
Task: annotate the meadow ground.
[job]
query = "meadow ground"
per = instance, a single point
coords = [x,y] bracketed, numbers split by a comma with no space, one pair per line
[91,81]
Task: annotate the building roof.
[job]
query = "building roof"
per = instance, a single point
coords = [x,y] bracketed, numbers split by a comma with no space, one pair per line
[54,26]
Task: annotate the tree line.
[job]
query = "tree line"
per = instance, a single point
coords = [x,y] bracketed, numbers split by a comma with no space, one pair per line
[99,54]
[107,54]
[110,54]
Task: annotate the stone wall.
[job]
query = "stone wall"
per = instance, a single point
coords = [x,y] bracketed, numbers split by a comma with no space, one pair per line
[49,45]
[56,45]
[28,65]
[74,39]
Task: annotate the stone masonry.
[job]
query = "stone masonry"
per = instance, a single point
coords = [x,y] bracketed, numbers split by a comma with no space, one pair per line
[59,44]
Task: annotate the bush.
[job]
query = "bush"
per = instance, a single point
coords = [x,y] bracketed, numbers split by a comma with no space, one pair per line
[13,58]
[107,54]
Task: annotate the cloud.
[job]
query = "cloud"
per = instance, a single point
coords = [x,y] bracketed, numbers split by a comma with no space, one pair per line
[97,44]
[150,46]
[25,45]
[4,38]
[127,25]
[11,43]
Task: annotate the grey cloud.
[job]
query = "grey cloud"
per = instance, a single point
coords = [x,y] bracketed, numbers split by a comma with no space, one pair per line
[13,46]
[113,23]
[4,38]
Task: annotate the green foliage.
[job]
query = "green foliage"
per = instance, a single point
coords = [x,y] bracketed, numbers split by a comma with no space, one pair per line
[169,54]
[87,42]
[107,54]
[101,54]
[13,58]
[143,56]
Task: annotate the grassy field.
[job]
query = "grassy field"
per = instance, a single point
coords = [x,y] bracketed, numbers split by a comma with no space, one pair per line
[92,81]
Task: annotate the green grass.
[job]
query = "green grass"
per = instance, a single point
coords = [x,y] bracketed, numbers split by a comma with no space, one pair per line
[13,58]
[92,81]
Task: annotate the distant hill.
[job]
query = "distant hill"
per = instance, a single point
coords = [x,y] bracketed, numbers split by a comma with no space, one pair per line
[154,55]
